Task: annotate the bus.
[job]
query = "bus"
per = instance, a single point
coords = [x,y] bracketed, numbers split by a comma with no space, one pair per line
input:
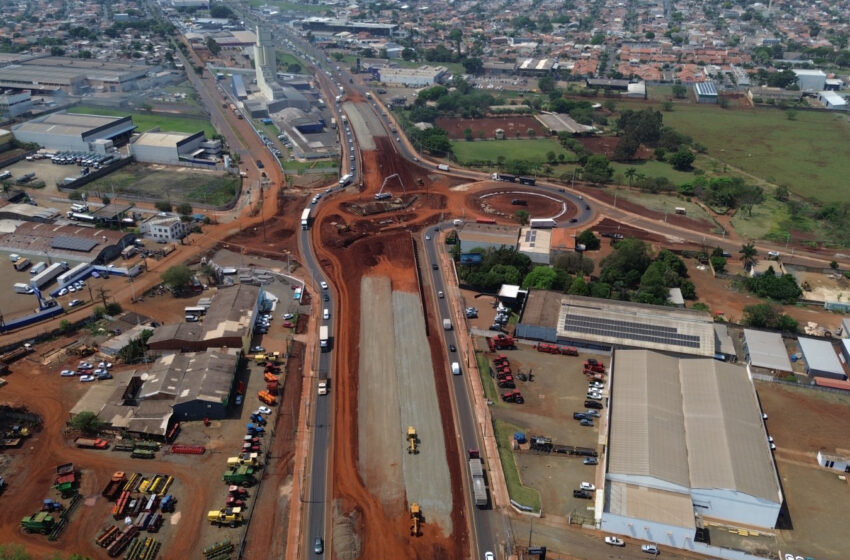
[196,311]
[306,218]
[542,223]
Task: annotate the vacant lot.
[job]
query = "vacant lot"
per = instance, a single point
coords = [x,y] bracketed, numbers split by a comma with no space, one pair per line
[810,154]
[168,183]
[803,421]
[146,121]
[557,390]
[532,151]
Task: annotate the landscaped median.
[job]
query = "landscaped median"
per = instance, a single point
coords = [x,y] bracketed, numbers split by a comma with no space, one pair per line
[486,381]
[522,495]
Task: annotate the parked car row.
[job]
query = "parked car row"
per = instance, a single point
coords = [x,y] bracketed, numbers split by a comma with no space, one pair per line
[88,372]
[75,287]
[83,159]
[648,548]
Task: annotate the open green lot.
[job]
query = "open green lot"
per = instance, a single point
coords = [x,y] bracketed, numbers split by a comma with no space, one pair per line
[176,185]
[522,494]
[809,154]
[532,150]
[147,121]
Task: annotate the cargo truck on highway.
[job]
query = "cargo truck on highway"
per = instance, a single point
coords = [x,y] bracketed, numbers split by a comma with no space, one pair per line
[479,488]
[323,337]
[447,324]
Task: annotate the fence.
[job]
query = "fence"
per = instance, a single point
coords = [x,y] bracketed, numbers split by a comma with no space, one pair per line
[809,386]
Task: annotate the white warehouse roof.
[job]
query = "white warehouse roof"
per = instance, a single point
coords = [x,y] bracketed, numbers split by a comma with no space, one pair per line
[820,355]
[766,350]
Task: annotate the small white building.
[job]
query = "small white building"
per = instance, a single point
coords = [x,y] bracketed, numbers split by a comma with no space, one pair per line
[164,229]
[832,100]
[413,77]
[836,462]
[172,148]
[811,80]
[535,244]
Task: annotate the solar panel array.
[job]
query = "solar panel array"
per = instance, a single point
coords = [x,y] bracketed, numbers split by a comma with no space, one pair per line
[657,334]
[531,237]
[73,243]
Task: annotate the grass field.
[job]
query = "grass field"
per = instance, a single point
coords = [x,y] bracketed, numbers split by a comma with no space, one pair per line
[810,154]
[487,381]
[147,121]
[522,494]
[285,59]
[181,185]
[527,150]
[652,168]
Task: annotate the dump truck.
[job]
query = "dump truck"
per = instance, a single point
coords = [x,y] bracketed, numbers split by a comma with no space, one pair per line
[479,489]
[243,476]
[412,440]
[267,398]
[91,443]
[114,486]
[41,522]
[415,519]
[225,516]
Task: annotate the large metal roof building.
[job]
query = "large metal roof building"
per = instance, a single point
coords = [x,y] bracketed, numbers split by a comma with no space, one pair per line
[685,432]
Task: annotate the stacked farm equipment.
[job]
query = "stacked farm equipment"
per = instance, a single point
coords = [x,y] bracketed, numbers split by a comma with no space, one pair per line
[555,349]
[501,342]
[66,480]
[222,550]
[137,499]
[54,516]
[544,444]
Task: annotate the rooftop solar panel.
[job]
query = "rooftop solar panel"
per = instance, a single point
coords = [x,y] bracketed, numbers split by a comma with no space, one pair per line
[73,243]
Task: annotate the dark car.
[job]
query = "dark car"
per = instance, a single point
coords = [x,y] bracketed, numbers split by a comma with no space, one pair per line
[452,348]
[583,494]
[579,416]
[519,202]
[435,266]
[592,404]
[260,164]
[586,422]
[326,298]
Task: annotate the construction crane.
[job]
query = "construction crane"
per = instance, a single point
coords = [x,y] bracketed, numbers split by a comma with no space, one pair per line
[381,195]
[411,440]
[415,520]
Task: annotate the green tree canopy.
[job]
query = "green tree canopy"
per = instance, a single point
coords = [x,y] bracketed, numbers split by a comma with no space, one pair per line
[590,241]
[177,277]
[765,315]
[545,278]
[86,422]
[626,264]
[597,169]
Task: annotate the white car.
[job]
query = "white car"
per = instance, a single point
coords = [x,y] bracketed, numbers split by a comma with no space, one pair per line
[614,541]
[87,378]
[68,373]
[288,316]
[649,548]
[264,410]
[323,284]
[587,486]
[72,289]
[489,556]
[106,365]
[85,365]
[63,292]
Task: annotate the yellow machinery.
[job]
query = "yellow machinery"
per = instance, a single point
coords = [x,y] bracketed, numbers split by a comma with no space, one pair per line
[415,519]
[411,440]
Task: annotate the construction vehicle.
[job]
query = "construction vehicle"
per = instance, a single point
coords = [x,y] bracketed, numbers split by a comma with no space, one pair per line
[267,398]
[225,516]
[415,519]
[114,486]
[91,443]
[513,397]
[272,357]
[412,440]
[540,443]
[83,350]
[16,353]
[41,522]
[501,342]
[243,476]
[476,472]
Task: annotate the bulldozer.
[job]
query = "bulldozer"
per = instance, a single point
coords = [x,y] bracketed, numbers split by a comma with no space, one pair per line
[415,520]
[411,440]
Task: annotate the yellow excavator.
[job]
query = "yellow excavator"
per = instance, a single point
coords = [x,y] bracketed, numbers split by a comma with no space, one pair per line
[411,440]
[415,519]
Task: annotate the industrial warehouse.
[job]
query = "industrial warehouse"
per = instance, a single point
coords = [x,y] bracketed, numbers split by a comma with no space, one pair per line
[76,132]
[687,446]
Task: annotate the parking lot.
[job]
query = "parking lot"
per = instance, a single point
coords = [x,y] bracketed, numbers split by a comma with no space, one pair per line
[44,170]
[556,390]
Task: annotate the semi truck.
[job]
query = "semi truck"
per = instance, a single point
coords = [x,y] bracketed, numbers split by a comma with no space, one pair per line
[38,267]
[504,177]
[447,324]
[48,274]
[527,180]
[443,167]
[306,218]
[345,180]
[542,223]
[323,336]
[479,489]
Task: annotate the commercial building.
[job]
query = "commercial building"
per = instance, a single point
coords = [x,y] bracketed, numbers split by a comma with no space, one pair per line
[821,359]
[76,132]
[561,122]
[487,236]
[164,230]
[15,104]
[77,76]
[765,352]
[69,242]
[835,462]
[705,92]
[537,66]
[228,323]
[810,80]
[832,100]
[333,25]
[412,77]
[606,324]
[174,148]
[686,445]
[534,243]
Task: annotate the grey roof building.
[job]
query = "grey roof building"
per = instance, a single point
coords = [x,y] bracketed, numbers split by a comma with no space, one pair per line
[486,236]
[821,358]
[765,352]
[75,132]
[686,441]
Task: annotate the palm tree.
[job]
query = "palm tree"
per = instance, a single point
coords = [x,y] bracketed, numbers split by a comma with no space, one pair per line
[630,174]
[748,254]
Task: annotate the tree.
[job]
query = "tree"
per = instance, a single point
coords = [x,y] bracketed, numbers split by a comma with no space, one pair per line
[833,265]
[163,205]
[598,169]
[546,84]
[456,37]
[791,114]
[574,263]
[680,91]
[407,54]
[177,277]
[86,422]
[781,288]
[521,216]
[474,66]
[135,350]
[221,11]
[590,241]
[541,278]
[781,194]
[626,264]
[212,46]
[579,287]
[184,208]
[630,174]
[626,148]
[682,160]
[64,326]
[748,254]
[718,263]
[765,315]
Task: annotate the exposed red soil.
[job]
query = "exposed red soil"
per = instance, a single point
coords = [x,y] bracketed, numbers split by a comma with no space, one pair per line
[536,206]
[605,145]
[486,127]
